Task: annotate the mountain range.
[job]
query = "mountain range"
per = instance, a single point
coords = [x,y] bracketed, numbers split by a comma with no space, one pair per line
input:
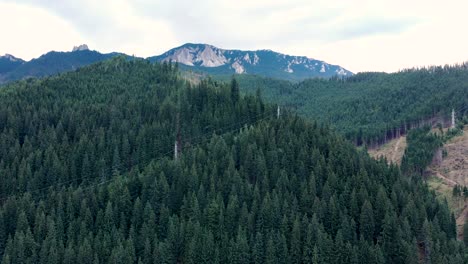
[213,60]
[53,62]
[202,58]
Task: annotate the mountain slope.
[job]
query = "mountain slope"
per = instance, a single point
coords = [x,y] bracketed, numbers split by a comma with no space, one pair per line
[88,176]
[392,151]
[9,63]
[53,63]
[213,60]
[452,171]
[372,108]
[199,57]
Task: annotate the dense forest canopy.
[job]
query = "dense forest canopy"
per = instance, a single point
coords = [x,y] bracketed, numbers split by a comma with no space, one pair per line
[88,176]
[372,107]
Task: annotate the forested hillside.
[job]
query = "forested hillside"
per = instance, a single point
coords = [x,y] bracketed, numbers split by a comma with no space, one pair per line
[373,107]
[88,176]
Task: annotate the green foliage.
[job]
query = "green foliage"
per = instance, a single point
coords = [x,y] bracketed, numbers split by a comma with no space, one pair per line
[420,150]
[459,191]
[451,133]
[370,108]
[88,177]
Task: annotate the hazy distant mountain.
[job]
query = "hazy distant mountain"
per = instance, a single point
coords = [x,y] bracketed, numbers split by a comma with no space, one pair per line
[203,58]
[9,63]
[50,63]
[268,63]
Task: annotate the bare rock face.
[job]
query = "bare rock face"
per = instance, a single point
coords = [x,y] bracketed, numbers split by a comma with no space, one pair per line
[203,55]
[264,62]
[80,47]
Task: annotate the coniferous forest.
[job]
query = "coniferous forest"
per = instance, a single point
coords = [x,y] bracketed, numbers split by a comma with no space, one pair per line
[88,175]
[420,151]
[371,108]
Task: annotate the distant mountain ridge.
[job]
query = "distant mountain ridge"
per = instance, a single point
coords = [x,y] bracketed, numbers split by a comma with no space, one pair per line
[203,58]
[9,62]
[213,60]
[51,63]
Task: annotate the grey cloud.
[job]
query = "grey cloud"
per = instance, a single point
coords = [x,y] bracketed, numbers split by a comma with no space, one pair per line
[201,21]
[320,33]
[205,21]
[190,20]
[78,13]
[373,26]
[87,17]
[212,21]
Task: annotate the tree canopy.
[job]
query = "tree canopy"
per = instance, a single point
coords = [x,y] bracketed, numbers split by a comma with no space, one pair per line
[370,108]
[88,176]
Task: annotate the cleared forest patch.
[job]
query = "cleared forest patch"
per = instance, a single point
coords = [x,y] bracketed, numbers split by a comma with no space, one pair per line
[455,165]
[442,178]
[393,150]
[452,171]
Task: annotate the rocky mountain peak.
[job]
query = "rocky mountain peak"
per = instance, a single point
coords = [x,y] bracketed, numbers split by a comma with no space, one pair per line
[197,55]
[266,62]
[80,47]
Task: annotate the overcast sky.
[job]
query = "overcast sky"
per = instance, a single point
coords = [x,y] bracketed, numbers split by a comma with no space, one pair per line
[360,35]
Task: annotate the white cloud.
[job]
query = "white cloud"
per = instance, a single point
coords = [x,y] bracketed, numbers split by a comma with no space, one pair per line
[105,25]
[30,31]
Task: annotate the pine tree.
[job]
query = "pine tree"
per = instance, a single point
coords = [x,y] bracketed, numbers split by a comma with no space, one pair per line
[366,221]
[308,245]
[270,256]
[234,90]
[295,246]
[258,249]
[341,255]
